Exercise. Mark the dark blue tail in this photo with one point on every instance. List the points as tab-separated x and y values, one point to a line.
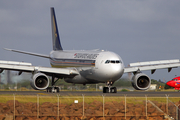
55	33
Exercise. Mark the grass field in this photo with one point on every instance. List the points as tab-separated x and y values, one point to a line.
87	99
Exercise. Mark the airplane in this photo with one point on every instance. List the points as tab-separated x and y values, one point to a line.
84	67
175	83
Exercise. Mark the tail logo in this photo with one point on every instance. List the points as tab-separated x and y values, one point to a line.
55	34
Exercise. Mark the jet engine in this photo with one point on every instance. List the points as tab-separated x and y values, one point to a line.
39	81
141	81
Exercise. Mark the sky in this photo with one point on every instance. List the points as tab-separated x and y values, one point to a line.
137	30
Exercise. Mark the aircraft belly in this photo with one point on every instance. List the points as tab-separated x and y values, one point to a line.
76	80
87	75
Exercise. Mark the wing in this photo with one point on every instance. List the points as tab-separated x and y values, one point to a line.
27	67
152	65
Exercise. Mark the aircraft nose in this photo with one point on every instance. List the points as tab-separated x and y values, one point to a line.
169	83
117	71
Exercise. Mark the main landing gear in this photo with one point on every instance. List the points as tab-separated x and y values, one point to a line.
109	88
53	89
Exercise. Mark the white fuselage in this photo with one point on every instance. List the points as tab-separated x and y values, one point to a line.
93	66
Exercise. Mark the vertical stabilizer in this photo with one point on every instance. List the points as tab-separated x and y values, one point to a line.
55	33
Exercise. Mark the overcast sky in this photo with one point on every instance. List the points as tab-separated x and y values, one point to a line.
137	30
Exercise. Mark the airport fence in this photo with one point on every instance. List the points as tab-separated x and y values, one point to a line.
86	107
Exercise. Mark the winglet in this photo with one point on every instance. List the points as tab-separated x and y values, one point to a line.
55	33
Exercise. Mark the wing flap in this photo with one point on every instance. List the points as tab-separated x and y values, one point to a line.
64	71
17	67
30	68
155	62
152	65
14	63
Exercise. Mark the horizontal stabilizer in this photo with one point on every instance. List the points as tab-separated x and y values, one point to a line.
29	53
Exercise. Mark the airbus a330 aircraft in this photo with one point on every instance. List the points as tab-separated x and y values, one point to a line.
84	67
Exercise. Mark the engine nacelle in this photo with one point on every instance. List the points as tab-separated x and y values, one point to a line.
141	81
39	81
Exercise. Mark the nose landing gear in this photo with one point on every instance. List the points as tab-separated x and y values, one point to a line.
109	88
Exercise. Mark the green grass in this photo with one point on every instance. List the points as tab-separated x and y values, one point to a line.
124	90
87	99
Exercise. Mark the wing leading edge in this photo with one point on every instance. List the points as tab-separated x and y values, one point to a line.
152	65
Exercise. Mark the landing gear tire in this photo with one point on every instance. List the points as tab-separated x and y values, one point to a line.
57	89
105	90
112	90
52	89
49	89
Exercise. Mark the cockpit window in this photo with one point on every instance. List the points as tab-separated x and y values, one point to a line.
107	61
117	61
113	61
174	79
